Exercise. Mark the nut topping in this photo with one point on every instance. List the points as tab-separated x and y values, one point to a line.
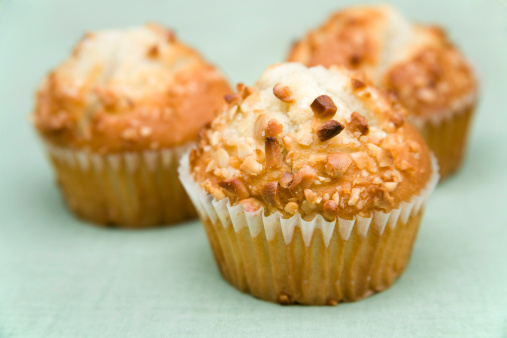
330	208
357	84
251	204
260	126
250	166
270	194
153	52
231	98
385	158
323	107
329	129
274	128
359	123
286	180
291	208
235	187
243	90
274	157
337	165
303	180
311	196
396	119
283	92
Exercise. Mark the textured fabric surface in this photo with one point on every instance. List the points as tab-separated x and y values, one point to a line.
60	277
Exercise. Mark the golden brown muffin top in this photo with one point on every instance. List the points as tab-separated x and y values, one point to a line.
127	90
418	63
312	140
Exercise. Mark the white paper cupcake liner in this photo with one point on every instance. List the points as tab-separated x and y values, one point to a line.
448	139
269	256
131	189
208	207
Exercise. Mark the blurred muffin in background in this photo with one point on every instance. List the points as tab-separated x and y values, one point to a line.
116	116
417	63
311	189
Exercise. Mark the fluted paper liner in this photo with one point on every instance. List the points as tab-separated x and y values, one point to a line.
131	190
446	133
448	139
308	262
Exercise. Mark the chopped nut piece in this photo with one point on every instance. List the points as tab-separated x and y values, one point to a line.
360	159
243	90
231	98
287	141
129	134
390	186
291	208
222	158
337	165
308	207
286	180
304	137
303	180
274	128
357	84
330	207
260	126
235	187
414	146
323	107
260	156
145	131
317	158
244	149
153	52
354	196
212	165
270	194
289	157
251	204
385	158
251	166
336	197
396	119
274	157
311	196
329	129
283	92
404	165
359	123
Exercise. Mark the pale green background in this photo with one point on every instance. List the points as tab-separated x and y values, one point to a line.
60	277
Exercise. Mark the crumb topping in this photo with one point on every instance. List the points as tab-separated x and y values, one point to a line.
417	63
262	151
124	89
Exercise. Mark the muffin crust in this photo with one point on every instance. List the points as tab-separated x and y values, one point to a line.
128	90
416	62
335	148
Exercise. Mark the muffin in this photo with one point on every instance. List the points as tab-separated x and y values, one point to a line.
311	186
117	115
417	63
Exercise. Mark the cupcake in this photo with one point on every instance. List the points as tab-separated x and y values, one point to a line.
117	115
417	63
311	186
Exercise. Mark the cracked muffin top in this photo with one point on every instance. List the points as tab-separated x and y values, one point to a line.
417	62
128	90
313	141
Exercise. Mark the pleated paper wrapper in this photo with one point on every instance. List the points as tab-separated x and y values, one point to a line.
446	134
307	262
130	190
